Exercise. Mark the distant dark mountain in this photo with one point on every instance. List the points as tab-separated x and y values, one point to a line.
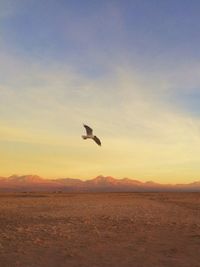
25	179
99	184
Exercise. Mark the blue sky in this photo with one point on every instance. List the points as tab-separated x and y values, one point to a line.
130	68
79	32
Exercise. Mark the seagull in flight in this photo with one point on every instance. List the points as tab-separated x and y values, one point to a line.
90	135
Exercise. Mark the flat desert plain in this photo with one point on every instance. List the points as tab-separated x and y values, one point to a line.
100	229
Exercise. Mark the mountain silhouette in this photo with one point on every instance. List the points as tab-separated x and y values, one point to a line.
98	184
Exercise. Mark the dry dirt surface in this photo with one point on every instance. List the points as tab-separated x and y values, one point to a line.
104	229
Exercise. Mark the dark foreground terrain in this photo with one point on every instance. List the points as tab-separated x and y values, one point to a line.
108	229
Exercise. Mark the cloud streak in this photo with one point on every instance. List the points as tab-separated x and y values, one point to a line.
142	134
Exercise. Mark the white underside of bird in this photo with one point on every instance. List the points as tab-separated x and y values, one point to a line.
88	136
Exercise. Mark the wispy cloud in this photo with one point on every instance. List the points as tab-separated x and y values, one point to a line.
142	133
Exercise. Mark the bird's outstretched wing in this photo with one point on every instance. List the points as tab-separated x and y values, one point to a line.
88	129
96	139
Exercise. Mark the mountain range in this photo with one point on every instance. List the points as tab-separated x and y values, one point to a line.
27	183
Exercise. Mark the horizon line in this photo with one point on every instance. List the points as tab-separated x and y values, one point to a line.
103	176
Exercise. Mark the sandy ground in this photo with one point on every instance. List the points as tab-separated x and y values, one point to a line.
111	229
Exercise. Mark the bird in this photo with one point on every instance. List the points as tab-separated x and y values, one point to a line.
90	135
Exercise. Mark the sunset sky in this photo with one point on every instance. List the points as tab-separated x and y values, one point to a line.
130	69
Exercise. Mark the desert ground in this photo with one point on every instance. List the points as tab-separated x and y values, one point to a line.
100	229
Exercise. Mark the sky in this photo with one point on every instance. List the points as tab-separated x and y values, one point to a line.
129	69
